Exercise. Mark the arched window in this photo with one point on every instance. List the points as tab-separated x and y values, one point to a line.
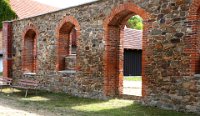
29	51
67	34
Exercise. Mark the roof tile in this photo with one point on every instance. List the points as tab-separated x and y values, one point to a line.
132	39
29	8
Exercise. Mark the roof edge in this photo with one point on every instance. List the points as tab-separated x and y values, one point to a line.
96	1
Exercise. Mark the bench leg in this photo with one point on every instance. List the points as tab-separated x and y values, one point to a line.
36	91
13	89
26	93
10	88
1	88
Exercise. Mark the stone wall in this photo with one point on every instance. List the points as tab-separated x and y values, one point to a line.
169	44
70	62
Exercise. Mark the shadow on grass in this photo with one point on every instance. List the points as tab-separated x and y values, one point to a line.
63	104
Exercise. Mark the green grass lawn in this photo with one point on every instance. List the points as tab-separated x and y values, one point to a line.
63	104
133	78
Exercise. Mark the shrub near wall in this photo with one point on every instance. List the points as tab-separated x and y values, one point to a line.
6	13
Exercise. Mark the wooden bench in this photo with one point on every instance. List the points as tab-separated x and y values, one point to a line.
27	85
5	81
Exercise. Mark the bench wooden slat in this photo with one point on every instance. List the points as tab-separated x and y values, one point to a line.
23	84
4	81
23	87
3	78
27	85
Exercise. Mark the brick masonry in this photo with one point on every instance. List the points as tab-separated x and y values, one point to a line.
170	59
7	49
1	40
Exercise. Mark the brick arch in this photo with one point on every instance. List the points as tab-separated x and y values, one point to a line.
113	55
71	20
130	8
63	30
193	11
29	48
193	38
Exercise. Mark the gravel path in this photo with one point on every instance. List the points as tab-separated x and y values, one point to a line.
10	107
132	88
6	111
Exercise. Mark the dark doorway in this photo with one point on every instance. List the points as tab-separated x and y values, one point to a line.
132	62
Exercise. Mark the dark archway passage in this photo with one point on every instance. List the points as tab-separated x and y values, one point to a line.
29	51
113	57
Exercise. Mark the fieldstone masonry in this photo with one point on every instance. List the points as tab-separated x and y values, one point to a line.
70	62
170	59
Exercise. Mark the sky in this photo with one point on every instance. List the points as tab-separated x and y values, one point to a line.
64	3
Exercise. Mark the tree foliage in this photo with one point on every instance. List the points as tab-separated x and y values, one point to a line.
6	13
135	22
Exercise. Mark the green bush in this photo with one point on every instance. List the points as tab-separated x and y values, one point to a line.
6	13
135	22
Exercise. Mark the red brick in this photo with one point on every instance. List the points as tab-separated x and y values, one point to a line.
114	86
7	46
194	14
